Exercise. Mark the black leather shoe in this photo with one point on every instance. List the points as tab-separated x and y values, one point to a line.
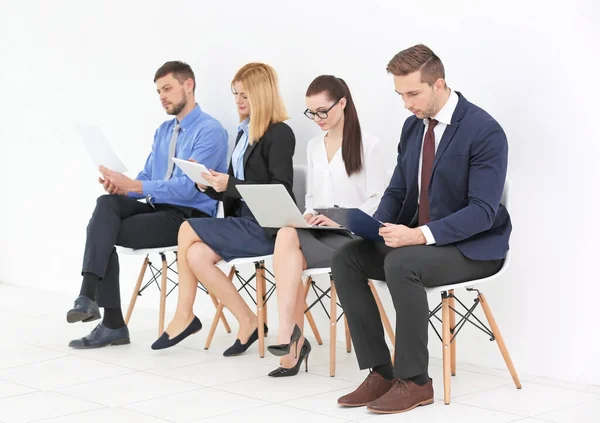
238	348
84	310
164	341
102	336
304	352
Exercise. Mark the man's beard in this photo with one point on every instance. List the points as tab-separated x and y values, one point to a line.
178	108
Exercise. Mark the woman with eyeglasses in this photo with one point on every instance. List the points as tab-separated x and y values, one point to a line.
262	154
345	168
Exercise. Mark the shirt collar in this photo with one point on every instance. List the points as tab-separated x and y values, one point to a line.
243	126
445	114
187	121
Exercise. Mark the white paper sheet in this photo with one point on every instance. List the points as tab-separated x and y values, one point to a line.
193	170
99	149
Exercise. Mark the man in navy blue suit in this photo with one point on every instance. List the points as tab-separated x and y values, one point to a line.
443	222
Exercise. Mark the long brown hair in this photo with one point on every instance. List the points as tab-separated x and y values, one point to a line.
336	89
266	105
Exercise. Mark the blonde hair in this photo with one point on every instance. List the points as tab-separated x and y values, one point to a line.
262	89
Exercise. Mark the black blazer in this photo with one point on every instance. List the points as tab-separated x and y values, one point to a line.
267	161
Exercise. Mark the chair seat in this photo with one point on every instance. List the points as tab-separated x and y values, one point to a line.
316	271
146	251
244	260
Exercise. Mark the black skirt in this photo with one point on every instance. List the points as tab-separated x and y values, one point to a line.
318	245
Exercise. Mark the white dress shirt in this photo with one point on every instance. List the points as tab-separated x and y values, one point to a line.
329	185
444	117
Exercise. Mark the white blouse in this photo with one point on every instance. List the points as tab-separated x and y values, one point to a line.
328	183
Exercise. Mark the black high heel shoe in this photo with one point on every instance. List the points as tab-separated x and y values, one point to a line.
164	341
284	349
304	352
238	348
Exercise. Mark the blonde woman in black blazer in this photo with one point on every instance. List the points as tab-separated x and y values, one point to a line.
262	155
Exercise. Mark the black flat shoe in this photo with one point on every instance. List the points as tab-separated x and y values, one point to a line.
284	349
84	310
102	336
238	348
284	372
164	341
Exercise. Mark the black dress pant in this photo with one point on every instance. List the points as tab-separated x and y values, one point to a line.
406	271
124	221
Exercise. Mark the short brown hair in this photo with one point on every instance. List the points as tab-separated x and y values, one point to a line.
180	70
419	57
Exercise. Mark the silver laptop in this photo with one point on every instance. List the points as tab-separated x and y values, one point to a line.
273	207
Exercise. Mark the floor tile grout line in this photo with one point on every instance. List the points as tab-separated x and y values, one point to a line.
57	388
319	413
30	364
565	408
489	409
206	386
198	388
479	391
509	412
91	381
92	359
68	414
231	412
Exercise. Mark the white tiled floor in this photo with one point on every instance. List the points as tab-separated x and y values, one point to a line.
41	379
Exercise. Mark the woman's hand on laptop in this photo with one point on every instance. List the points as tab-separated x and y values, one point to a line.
320	220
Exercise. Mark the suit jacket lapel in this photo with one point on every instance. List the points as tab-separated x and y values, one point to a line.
248	151
412	172
451	129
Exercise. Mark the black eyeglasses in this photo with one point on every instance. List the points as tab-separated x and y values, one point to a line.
321	113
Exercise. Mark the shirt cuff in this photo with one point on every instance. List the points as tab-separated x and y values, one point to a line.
148	188
310	211
429	239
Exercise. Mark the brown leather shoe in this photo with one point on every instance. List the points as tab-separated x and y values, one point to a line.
372	388
403	396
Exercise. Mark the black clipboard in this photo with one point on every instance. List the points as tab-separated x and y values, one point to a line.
356	221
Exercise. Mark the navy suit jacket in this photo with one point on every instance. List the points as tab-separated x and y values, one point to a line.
468	178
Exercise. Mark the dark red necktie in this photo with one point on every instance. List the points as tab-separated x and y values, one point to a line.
426	170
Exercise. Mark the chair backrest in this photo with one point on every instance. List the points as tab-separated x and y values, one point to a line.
300	185
505	200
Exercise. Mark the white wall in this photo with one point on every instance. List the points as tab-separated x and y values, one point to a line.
533	66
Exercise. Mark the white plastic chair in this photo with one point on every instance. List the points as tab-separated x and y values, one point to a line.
263	292
161	273
449	326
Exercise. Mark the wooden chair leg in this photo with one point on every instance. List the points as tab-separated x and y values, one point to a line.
384	317
348	338
163	295
446	347
136	291
333	324
260	311
222	317
219	315
265	302
213	326
499	340
308	314
452	304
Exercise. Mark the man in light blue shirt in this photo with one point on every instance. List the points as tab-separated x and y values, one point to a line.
120	218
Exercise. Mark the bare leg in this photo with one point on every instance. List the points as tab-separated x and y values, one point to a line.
288	263
202	260
197	262
187	281
289	361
